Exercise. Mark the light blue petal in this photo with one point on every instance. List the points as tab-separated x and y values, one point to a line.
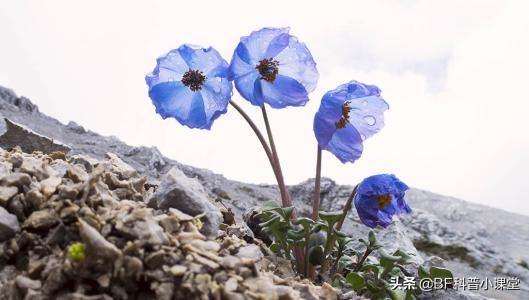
296	61
257	43
367	113
325	119
239	68
169	67
246	85
346	144
203	59
283	92
172	99
277	44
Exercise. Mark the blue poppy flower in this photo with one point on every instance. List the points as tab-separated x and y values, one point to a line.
271	66
191	85
378	198
347	116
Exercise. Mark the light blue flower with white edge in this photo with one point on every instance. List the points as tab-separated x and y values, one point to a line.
190	84
271	66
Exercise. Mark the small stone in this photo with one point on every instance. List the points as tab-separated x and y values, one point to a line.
77	173
41	220
24	283
8	225
16	179
34	167
178	270
124	170
103	280
49	185
250	251
6	193
97	246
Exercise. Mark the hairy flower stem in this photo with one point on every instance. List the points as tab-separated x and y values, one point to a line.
362	260
285	197
347	207
317	185
259	136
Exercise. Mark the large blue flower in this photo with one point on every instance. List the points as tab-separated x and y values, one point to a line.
191	85
378	198
271	66
347	116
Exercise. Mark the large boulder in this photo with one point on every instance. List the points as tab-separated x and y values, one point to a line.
186	194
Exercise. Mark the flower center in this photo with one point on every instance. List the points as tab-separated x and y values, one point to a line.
268	69
344	118
194	79
383	200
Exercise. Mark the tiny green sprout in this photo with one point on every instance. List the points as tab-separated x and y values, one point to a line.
77	252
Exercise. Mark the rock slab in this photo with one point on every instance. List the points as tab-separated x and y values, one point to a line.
186	194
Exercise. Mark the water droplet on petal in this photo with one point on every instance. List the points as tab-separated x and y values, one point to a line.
171	78
363	137
364	103
370	120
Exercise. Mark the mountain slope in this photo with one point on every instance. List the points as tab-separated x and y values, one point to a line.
475	240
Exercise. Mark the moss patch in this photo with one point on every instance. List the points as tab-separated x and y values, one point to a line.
448	252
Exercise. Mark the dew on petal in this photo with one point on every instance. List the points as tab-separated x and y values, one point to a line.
364	103
370	120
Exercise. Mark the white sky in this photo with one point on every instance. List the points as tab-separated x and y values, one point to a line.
454	72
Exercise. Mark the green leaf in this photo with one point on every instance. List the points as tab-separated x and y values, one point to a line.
441	273
423	273
387	260
268	205
340	234
372	237
344	262
372	287
405	258
275	248
396	294
305	222
269	222
356	280
331	217
287	212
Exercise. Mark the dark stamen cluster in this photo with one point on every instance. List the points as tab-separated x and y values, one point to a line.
344	119
268	68
194	79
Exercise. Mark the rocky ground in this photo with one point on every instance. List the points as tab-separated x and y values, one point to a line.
473	240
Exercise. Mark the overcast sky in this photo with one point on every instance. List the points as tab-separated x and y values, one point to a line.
455	74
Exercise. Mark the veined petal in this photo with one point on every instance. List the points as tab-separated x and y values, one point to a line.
169	67
246	86
284	91
203	59
296	61
257	42
173	99
346	144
